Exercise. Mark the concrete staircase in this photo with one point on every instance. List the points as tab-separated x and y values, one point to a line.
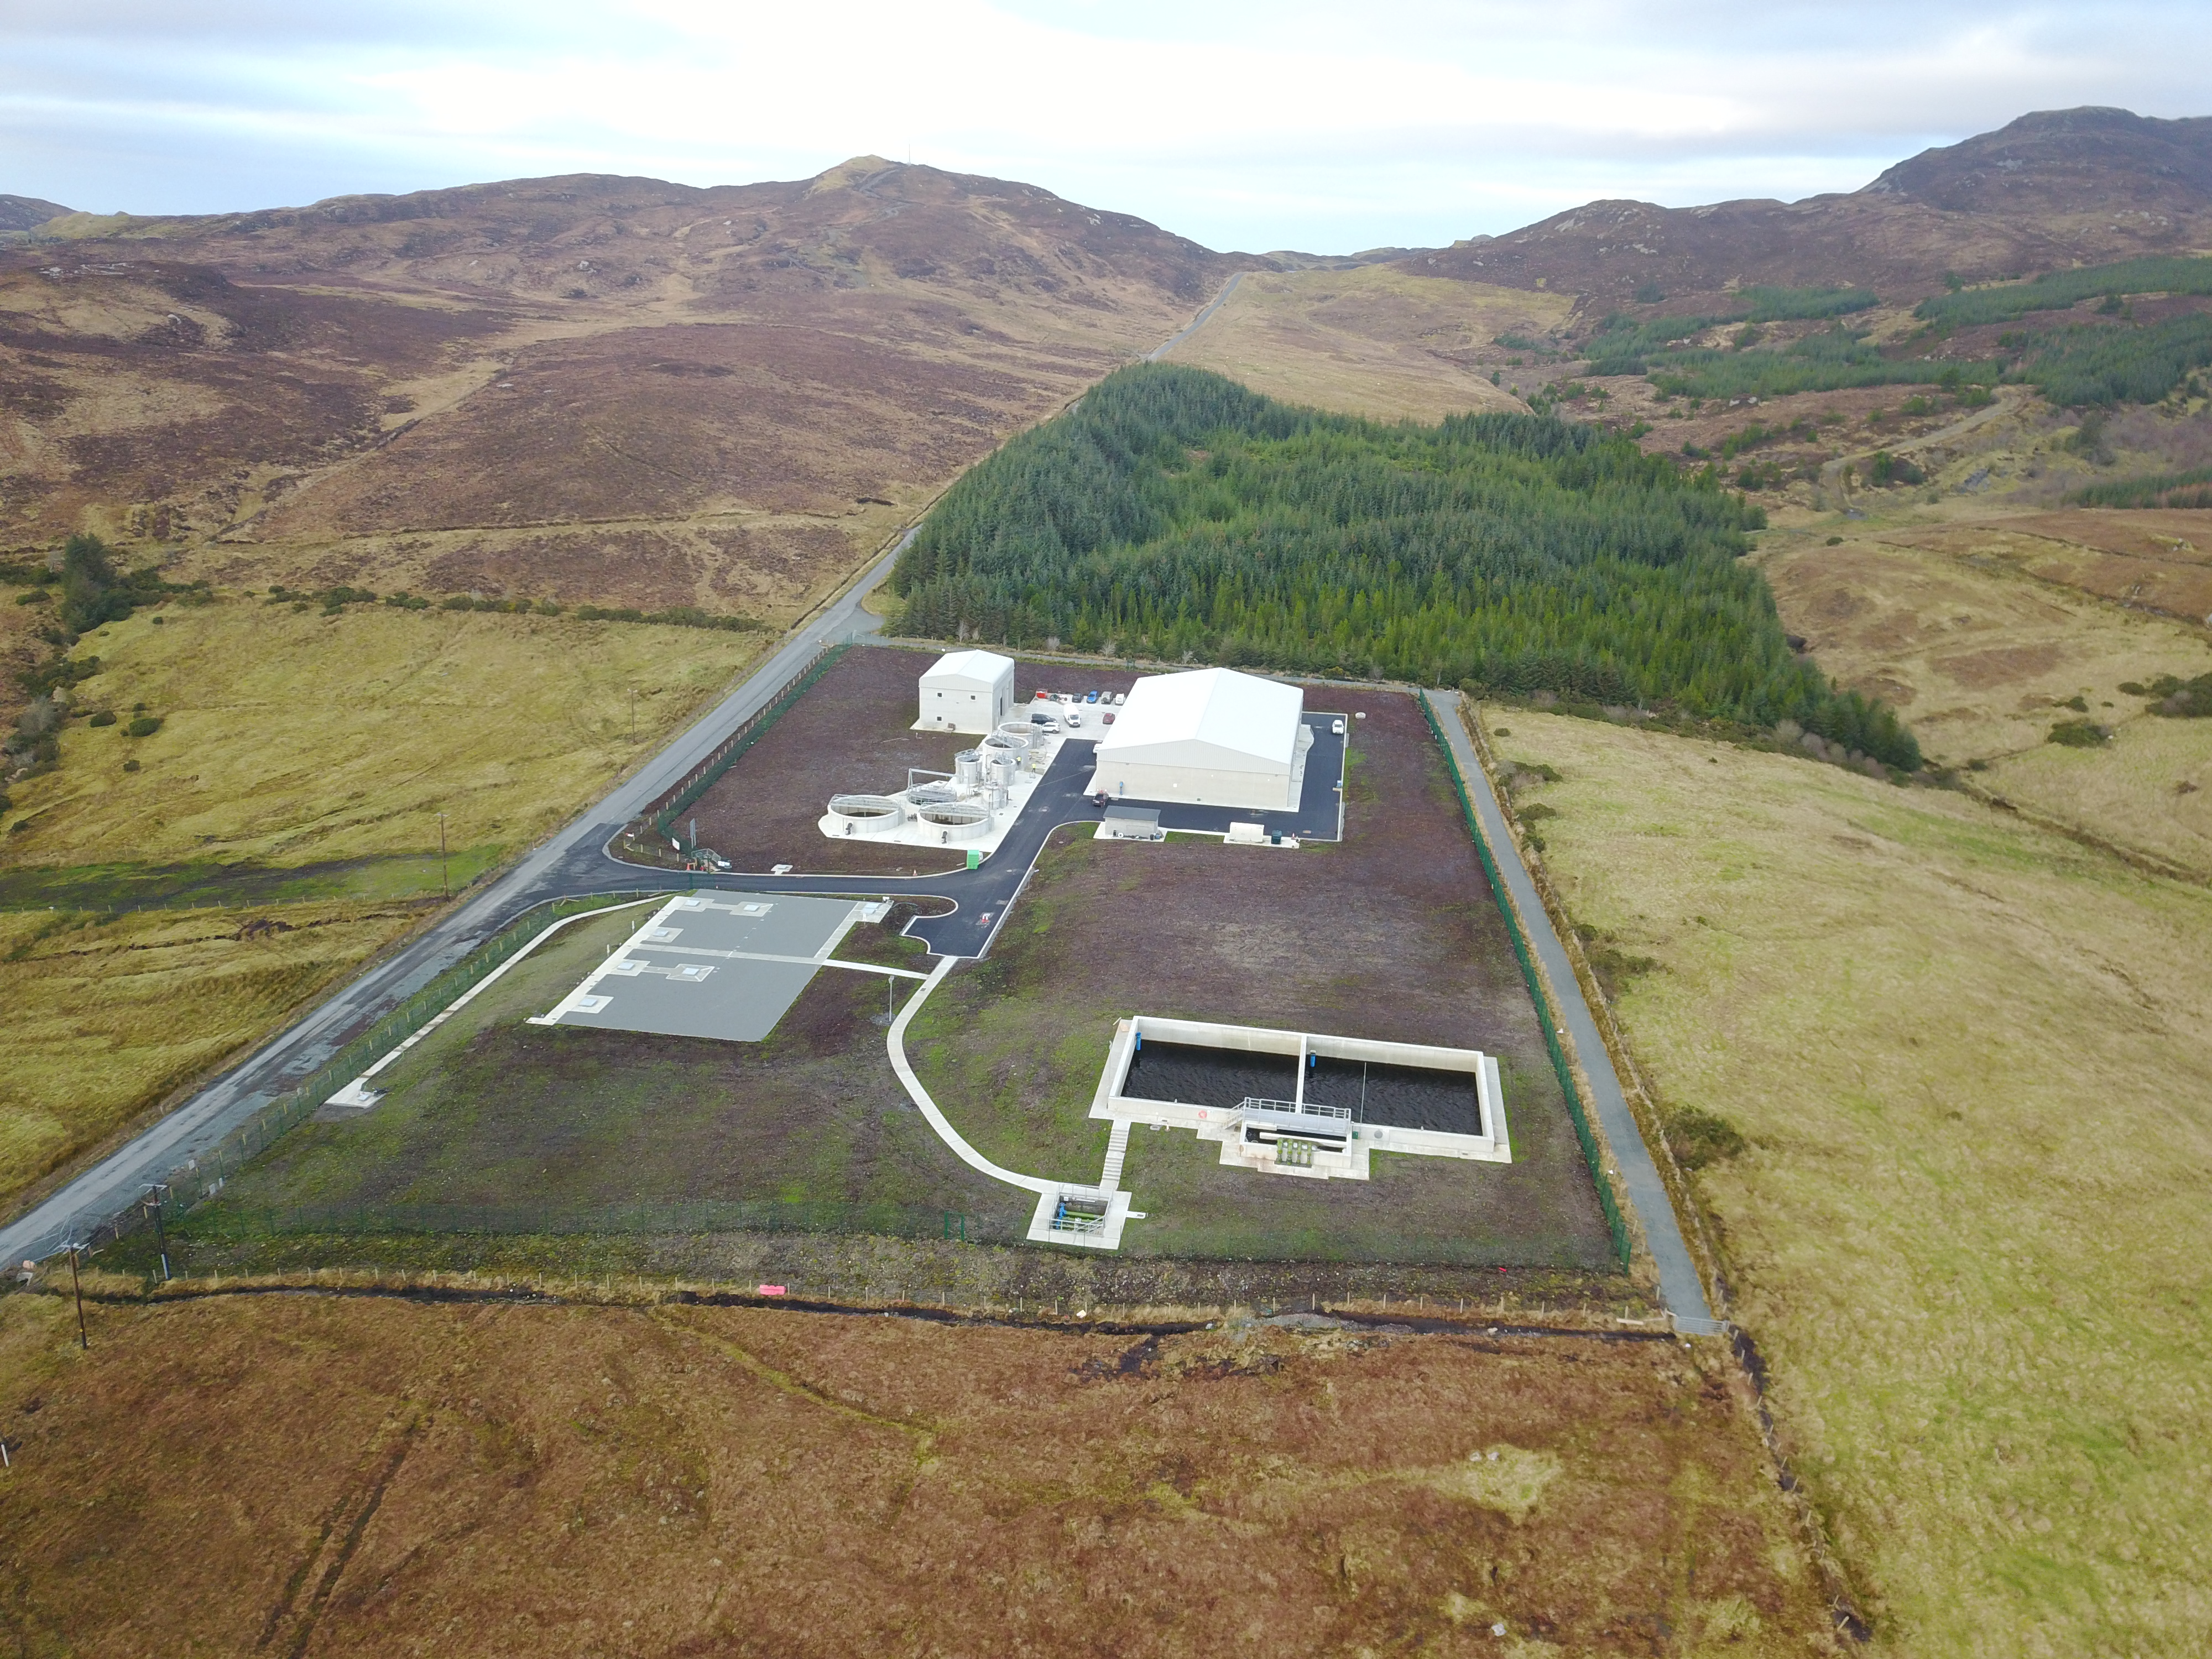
1117	1151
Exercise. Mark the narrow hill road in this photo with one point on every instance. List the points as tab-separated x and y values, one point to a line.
1831	472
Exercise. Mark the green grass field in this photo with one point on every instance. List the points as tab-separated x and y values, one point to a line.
296	778
108	1014
1968	1060
290	738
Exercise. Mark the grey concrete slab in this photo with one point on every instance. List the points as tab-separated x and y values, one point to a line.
724	966
1680	1287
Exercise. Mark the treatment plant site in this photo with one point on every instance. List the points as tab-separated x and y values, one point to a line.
1175	968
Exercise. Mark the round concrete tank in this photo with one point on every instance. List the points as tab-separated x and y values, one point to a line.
1022	731
867	815
955	820
968	768
1003	768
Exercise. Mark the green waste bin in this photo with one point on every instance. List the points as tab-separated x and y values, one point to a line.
974	857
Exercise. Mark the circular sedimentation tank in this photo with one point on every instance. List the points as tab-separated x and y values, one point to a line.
955	820
867	815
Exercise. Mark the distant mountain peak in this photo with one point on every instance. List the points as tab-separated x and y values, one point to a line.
28	212
2091	159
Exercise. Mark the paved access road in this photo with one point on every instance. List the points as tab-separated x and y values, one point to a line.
1680	1287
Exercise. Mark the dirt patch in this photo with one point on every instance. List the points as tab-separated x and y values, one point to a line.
1393	934
377	1478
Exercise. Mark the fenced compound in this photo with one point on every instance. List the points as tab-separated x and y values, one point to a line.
1545	1018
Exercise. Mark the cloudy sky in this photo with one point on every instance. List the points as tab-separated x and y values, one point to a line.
1281	123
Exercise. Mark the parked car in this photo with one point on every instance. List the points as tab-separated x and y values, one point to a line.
1091	697
1336	727
1106	719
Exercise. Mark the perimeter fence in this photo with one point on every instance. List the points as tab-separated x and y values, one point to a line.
725	754
253	1221
1545	1018
202	1175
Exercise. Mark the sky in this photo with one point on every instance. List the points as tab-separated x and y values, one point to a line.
1284	125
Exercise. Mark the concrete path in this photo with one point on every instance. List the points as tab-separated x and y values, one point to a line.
895	1043
1679	1284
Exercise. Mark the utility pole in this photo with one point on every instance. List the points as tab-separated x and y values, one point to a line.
445	879
156	1195
83	1340
633	713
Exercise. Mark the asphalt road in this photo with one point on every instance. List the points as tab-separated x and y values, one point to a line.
1680	1287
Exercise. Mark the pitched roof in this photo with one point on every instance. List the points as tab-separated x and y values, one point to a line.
984	666
1207	716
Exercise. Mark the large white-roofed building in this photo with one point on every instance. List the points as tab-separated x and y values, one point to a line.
967	691
1209	738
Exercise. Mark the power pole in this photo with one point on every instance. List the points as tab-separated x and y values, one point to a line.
156	1194
445	879
83	1340
633	713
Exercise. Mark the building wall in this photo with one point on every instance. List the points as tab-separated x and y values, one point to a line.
961	706
1197	786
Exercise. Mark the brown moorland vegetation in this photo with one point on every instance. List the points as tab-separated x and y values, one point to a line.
586	388
1974	633
317	1476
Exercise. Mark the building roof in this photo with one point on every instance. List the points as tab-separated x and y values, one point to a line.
977	667
1213	717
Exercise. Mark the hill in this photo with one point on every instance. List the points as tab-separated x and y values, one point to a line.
741	390
21	213
2052	189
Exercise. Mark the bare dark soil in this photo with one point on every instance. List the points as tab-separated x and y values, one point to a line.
311	1475
1394	934
848	735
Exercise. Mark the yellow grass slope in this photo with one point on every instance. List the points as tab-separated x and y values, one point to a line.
289	736
1984	660
1969	1230
1374	341
105	1016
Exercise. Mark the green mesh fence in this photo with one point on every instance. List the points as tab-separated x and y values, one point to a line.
1544	1015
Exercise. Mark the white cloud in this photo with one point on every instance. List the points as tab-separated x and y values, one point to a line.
1287	124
